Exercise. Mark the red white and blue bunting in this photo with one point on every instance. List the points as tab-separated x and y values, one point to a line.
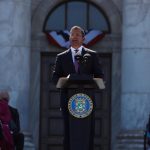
61	38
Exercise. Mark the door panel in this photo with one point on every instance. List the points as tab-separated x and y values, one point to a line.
51	123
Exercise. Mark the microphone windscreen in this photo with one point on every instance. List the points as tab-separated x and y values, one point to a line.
78	57
86	56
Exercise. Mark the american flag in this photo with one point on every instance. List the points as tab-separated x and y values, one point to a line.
61	38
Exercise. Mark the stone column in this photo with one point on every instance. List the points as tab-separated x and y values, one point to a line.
15	26
135	95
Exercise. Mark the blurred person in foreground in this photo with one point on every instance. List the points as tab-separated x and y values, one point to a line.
10	138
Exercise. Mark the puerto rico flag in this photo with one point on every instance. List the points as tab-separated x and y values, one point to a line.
61	38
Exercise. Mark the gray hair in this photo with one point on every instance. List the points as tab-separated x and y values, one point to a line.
4	95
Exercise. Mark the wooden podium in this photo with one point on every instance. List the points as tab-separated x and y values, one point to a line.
80	109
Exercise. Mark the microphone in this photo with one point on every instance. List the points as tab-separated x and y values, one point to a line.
86	63
78	58
86	57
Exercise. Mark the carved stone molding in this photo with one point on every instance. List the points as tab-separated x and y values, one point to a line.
130	140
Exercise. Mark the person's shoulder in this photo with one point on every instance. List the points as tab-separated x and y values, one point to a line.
13	109
63	53
90	51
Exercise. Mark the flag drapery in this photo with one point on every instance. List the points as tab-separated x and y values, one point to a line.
61	38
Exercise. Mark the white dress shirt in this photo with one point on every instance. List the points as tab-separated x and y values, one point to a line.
74	53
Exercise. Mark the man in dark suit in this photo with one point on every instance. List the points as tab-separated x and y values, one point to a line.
65	65
65	61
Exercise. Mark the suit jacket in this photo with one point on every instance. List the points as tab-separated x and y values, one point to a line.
64	64
15	117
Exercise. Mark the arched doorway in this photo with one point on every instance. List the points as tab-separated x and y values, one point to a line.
109	45
51	122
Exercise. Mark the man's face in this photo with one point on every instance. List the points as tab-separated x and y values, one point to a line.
76	38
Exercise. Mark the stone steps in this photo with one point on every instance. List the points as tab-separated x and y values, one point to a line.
131	140
28	144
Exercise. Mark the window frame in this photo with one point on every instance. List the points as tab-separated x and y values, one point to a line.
87	14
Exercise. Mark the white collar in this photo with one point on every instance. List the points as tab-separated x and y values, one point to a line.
73	50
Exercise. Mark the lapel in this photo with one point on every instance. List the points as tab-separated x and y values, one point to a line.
84	51
69	61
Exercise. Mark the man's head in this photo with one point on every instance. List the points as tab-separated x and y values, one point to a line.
77	36
4	95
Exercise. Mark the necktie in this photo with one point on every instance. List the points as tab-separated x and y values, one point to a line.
76	64
76	50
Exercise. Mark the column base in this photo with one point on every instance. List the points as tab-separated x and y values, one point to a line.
130	140
28	144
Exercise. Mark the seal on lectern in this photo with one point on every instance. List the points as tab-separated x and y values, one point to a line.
80	105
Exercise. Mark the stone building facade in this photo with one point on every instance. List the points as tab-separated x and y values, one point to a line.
22	41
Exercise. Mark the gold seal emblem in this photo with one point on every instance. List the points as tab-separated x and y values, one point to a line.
80	105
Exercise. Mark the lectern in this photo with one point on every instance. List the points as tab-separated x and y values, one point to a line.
80	108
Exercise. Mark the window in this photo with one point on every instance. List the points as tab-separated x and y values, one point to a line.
82	13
